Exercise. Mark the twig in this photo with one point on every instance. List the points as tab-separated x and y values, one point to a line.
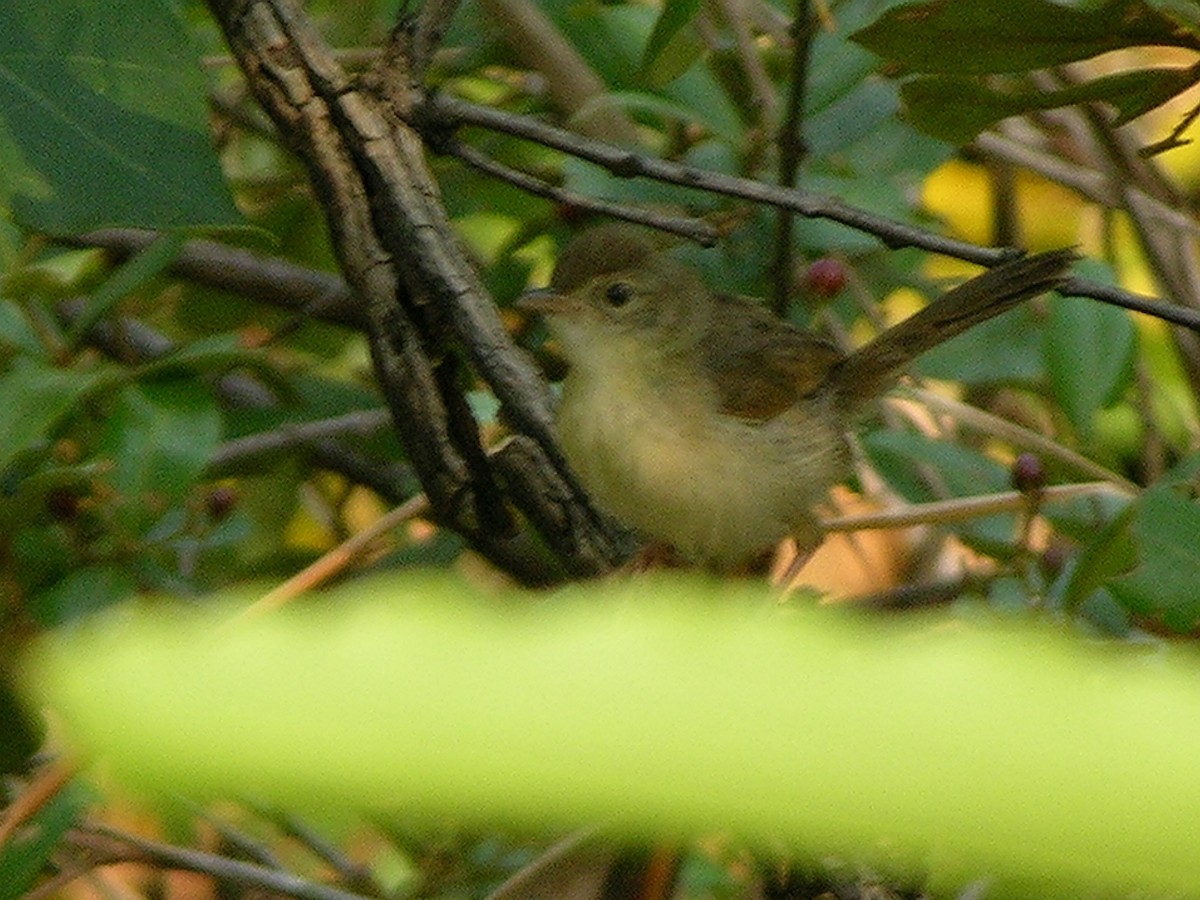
961	509
1087	182
792	149
1115	296
353	874
919	596
239	843
102	838
1172	255
574	87
267	279
132	341
575	866
336	559
694	229
432	21
440	114
290	435
762	91
41	790
985	422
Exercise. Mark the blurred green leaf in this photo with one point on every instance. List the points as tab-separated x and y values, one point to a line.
1044	763
1006	349
103	107
1166	528
127	278
20	737
36	399
1089	356
996	36
56	275
27	852
1110	552
609	37
922	470
81	592
159	436
672	48
956	109
850	118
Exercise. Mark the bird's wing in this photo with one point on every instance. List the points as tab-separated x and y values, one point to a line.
760	365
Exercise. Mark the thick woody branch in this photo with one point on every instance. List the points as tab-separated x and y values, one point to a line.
421	299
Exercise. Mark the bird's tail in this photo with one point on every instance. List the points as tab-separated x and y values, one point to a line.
867	372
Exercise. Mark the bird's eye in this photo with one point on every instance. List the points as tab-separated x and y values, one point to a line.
619	293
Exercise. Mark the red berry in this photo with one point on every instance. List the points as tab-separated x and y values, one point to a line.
825	277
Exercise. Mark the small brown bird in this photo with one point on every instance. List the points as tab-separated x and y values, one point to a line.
702	420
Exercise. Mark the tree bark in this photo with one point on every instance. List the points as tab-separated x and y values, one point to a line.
427	313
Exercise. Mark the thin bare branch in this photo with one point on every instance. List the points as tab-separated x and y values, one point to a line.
441	114
268	279
120	845
959	509
792	148
1087	182
432	22
336	560
293	435
697	230
762	91
574	87
984	422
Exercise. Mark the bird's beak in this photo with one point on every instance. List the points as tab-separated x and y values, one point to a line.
542	300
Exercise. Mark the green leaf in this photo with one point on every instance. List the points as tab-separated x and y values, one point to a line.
852	117
36	399
80	593
1089	356
129	276
956	109
639	101
1166	527
921	470
20	736
668	27
609	35
1044	763
102	108
996	36
680	54
1109	553
1006	349
159	436
27	852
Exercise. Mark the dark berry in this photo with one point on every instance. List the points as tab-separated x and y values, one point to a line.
220	502
1027	474
62	504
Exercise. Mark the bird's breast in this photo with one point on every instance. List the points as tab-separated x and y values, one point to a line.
657	454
